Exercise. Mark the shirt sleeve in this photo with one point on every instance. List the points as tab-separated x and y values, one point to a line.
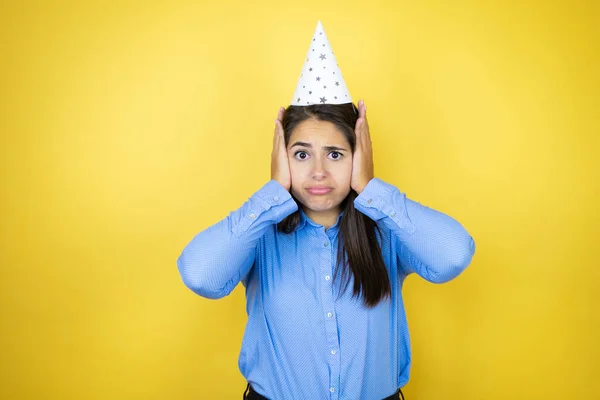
430	243
216	259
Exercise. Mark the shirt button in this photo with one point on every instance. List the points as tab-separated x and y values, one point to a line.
329	315
393	213
327	277
251	215
326	244
276	198
333	351
369	201
332	389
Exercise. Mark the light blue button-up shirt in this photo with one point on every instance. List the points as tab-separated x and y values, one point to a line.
303	341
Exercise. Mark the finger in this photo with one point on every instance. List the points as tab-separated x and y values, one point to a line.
358	128
361	109
280	137
278	140
363	140
280	113
279	128
279	122
275	134
359	134
366	130
361	114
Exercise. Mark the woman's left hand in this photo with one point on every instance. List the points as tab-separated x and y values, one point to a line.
362	160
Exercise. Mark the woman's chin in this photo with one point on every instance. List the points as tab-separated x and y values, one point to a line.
319	205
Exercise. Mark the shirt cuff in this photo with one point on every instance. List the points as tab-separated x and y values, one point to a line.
380	200
271	203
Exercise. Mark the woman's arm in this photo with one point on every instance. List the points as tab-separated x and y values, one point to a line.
432	244
217	258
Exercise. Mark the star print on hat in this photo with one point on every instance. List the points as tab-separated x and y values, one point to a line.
321	80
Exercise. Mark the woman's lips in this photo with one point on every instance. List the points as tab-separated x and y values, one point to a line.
318	191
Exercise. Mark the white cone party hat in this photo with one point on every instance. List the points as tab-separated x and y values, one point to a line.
321	80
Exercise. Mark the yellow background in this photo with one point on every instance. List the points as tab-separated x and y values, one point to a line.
129	127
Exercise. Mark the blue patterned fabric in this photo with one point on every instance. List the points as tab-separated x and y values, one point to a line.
301	341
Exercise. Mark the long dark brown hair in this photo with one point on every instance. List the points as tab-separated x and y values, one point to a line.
358	252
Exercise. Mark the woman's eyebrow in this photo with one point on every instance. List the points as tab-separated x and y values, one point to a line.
328	148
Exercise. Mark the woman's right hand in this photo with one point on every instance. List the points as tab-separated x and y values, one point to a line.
280	165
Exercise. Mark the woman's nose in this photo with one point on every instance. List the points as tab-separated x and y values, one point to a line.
318	169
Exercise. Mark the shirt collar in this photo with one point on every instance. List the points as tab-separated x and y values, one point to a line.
304	219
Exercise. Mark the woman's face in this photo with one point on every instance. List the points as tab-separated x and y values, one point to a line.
320	165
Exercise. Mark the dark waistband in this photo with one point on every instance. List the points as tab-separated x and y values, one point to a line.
251	394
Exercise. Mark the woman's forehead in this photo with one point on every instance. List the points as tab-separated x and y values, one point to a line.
315	131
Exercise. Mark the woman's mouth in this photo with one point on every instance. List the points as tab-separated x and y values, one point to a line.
319	190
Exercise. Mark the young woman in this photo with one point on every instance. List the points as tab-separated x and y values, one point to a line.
323	250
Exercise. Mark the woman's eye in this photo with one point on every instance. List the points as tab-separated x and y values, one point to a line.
336	155
301	155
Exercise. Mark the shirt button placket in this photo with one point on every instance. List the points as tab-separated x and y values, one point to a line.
331	329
